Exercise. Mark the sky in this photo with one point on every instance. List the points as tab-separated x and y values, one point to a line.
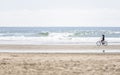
101	13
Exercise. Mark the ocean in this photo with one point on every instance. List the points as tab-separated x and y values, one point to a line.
58	35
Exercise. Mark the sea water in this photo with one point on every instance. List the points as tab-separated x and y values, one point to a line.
58	35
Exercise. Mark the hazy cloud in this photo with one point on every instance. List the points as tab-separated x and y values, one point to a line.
59	13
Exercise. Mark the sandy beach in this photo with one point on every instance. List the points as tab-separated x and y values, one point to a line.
59	64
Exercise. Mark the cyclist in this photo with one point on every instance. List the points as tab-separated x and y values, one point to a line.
103	39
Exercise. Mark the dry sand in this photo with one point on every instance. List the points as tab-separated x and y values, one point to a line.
59	64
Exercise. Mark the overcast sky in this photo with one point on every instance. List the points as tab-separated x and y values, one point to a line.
60	13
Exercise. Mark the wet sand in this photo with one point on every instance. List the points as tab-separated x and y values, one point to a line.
55	47
59	64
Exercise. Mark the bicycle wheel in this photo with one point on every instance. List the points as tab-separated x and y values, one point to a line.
98	43
105	43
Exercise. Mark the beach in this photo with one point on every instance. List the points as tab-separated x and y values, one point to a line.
59	51
59	64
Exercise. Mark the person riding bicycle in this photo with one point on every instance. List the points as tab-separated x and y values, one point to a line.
103	39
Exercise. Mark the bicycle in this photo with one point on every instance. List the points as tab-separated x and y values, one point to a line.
99	43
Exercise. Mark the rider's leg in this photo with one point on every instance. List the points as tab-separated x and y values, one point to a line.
102	41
